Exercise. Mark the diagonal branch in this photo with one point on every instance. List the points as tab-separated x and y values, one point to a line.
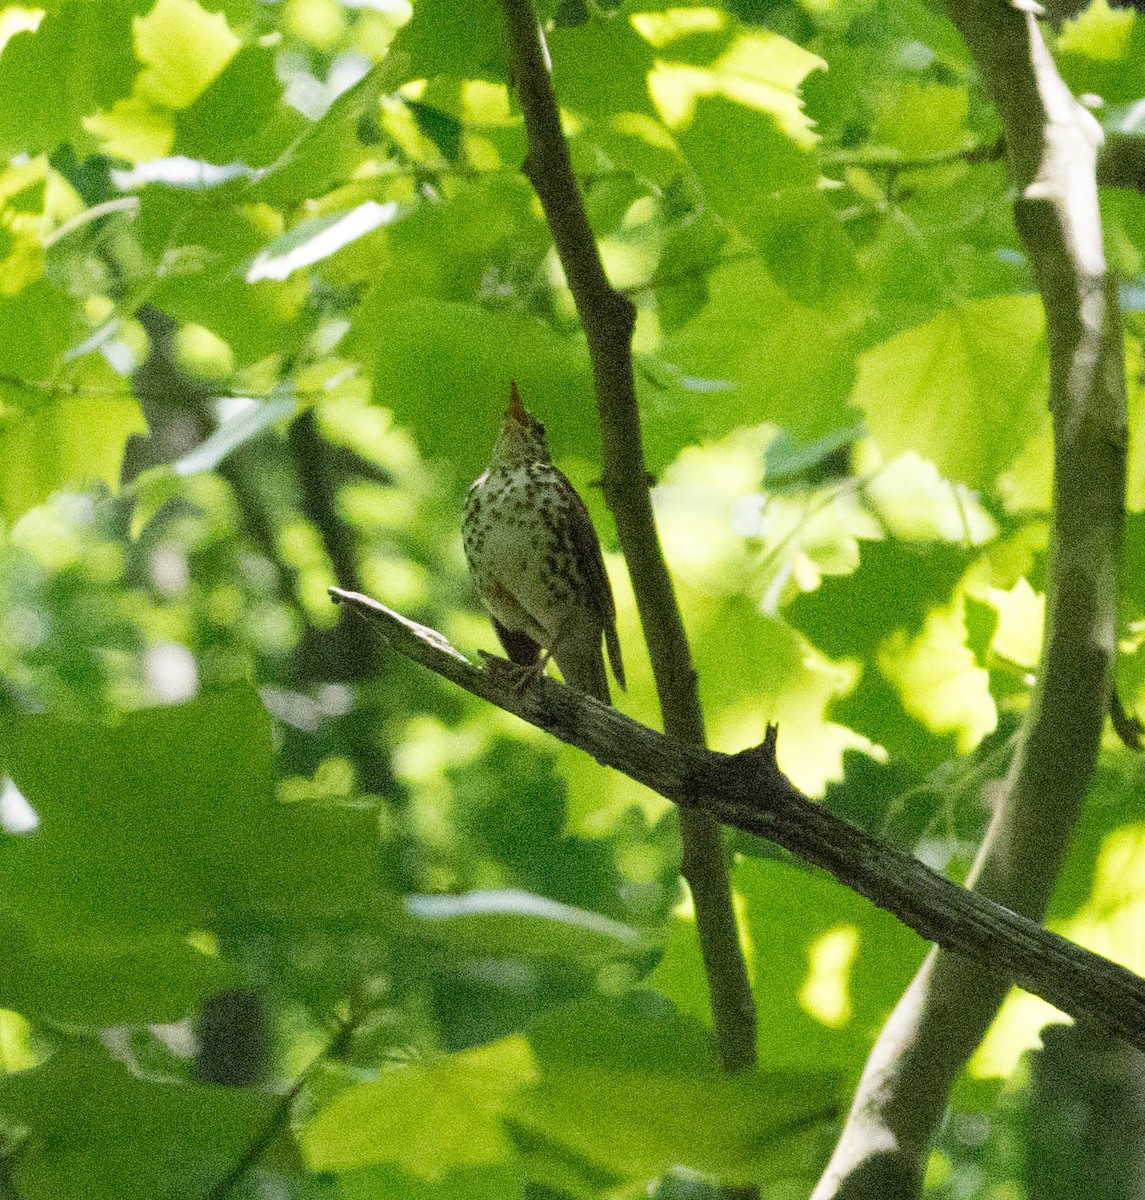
749	792
608	319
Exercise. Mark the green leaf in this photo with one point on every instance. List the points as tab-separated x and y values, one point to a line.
330	150
981	625
693	248
442	128
639	1031
184	49
167	820
895	586
741	1129
69	441
240	115
931	26
513	922
776	681
875	710
1091	885
944	244
1135	383
488	241
1098	31
40	322
925	118
601	67
966	390
496	1181
459	39
205	245
51	79
787	462
427	1118
104	979
435	1117
804	246
97	1131
826	966
769	358
762	180
740	154
1102	51
445	369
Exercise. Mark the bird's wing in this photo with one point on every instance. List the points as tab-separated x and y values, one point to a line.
587	547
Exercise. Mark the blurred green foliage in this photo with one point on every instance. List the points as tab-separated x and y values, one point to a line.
265	274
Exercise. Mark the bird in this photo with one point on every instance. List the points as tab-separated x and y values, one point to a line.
536	562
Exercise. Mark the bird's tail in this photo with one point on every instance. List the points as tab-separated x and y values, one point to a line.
613	643
583	668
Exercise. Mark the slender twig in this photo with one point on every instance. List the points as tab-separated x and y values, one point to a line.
891	160
280	1116
62	390
1120	160
749	792
118	204
608	319
1126	725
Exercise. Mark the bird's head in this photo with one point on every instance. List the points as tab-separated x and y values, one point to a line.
522	437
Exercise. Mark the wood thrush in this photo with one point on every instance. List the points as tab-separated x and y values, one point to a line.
535	559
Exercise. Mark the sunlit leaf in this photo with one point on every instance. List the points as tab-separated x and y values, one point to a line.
738	1128
183	48
1101	52
428	1118
824	1007
965	390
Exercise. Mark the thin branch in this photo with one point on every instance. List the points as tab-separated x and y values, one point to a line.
1126	725
1120	160
891	160
608	319
279	1119
749	792
1051	144
60	390
119	204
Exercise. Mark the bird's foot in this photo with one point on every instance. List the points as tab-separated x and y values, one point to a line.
521	675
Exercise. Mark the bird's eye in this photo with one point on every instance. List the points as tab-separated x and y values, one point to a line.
541	428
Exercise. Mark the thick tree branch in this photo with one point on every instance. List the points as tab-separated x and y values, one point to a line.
749	792
608	318
1051	144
